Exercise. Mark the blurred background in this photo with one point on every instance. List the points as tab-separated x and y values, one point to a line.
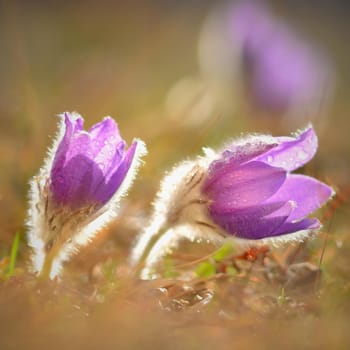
178	74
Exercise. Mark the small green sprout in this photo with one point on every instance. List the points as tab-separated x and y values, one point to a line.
205	269
13	256
282	297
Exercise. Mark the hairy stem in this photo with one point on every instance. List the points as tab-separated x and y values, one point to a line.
170	239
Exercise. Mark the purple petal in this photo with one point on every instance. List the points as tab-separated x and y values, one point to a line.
71	185
292	153
237	154
309	194
104	137
71	145
104	129
98	144
250	149
113	164
244	186
80	143
99	184
73	141
105	192
257	211
293	227
73	123
253	222
109	157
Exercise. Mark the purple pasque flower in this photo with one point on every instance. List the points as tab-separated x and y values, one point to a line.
252	193
246	191
78	189
89	166
283	70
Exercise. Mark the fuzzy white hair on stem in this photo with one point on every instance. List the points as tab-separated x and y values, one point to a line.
35	219
179	200
170	241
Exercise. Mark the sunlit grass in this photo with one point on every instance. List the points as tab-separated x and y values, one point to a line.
13	255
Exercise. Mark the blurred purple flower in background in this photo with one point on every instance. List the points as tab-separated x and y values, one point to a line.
252	194
284	71
78	189
258	60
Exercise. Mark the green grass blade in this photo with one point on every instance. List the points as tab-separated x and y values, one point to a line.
13	257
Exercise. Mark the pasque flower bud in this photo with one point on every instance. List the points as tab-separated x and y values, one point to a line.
77	190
